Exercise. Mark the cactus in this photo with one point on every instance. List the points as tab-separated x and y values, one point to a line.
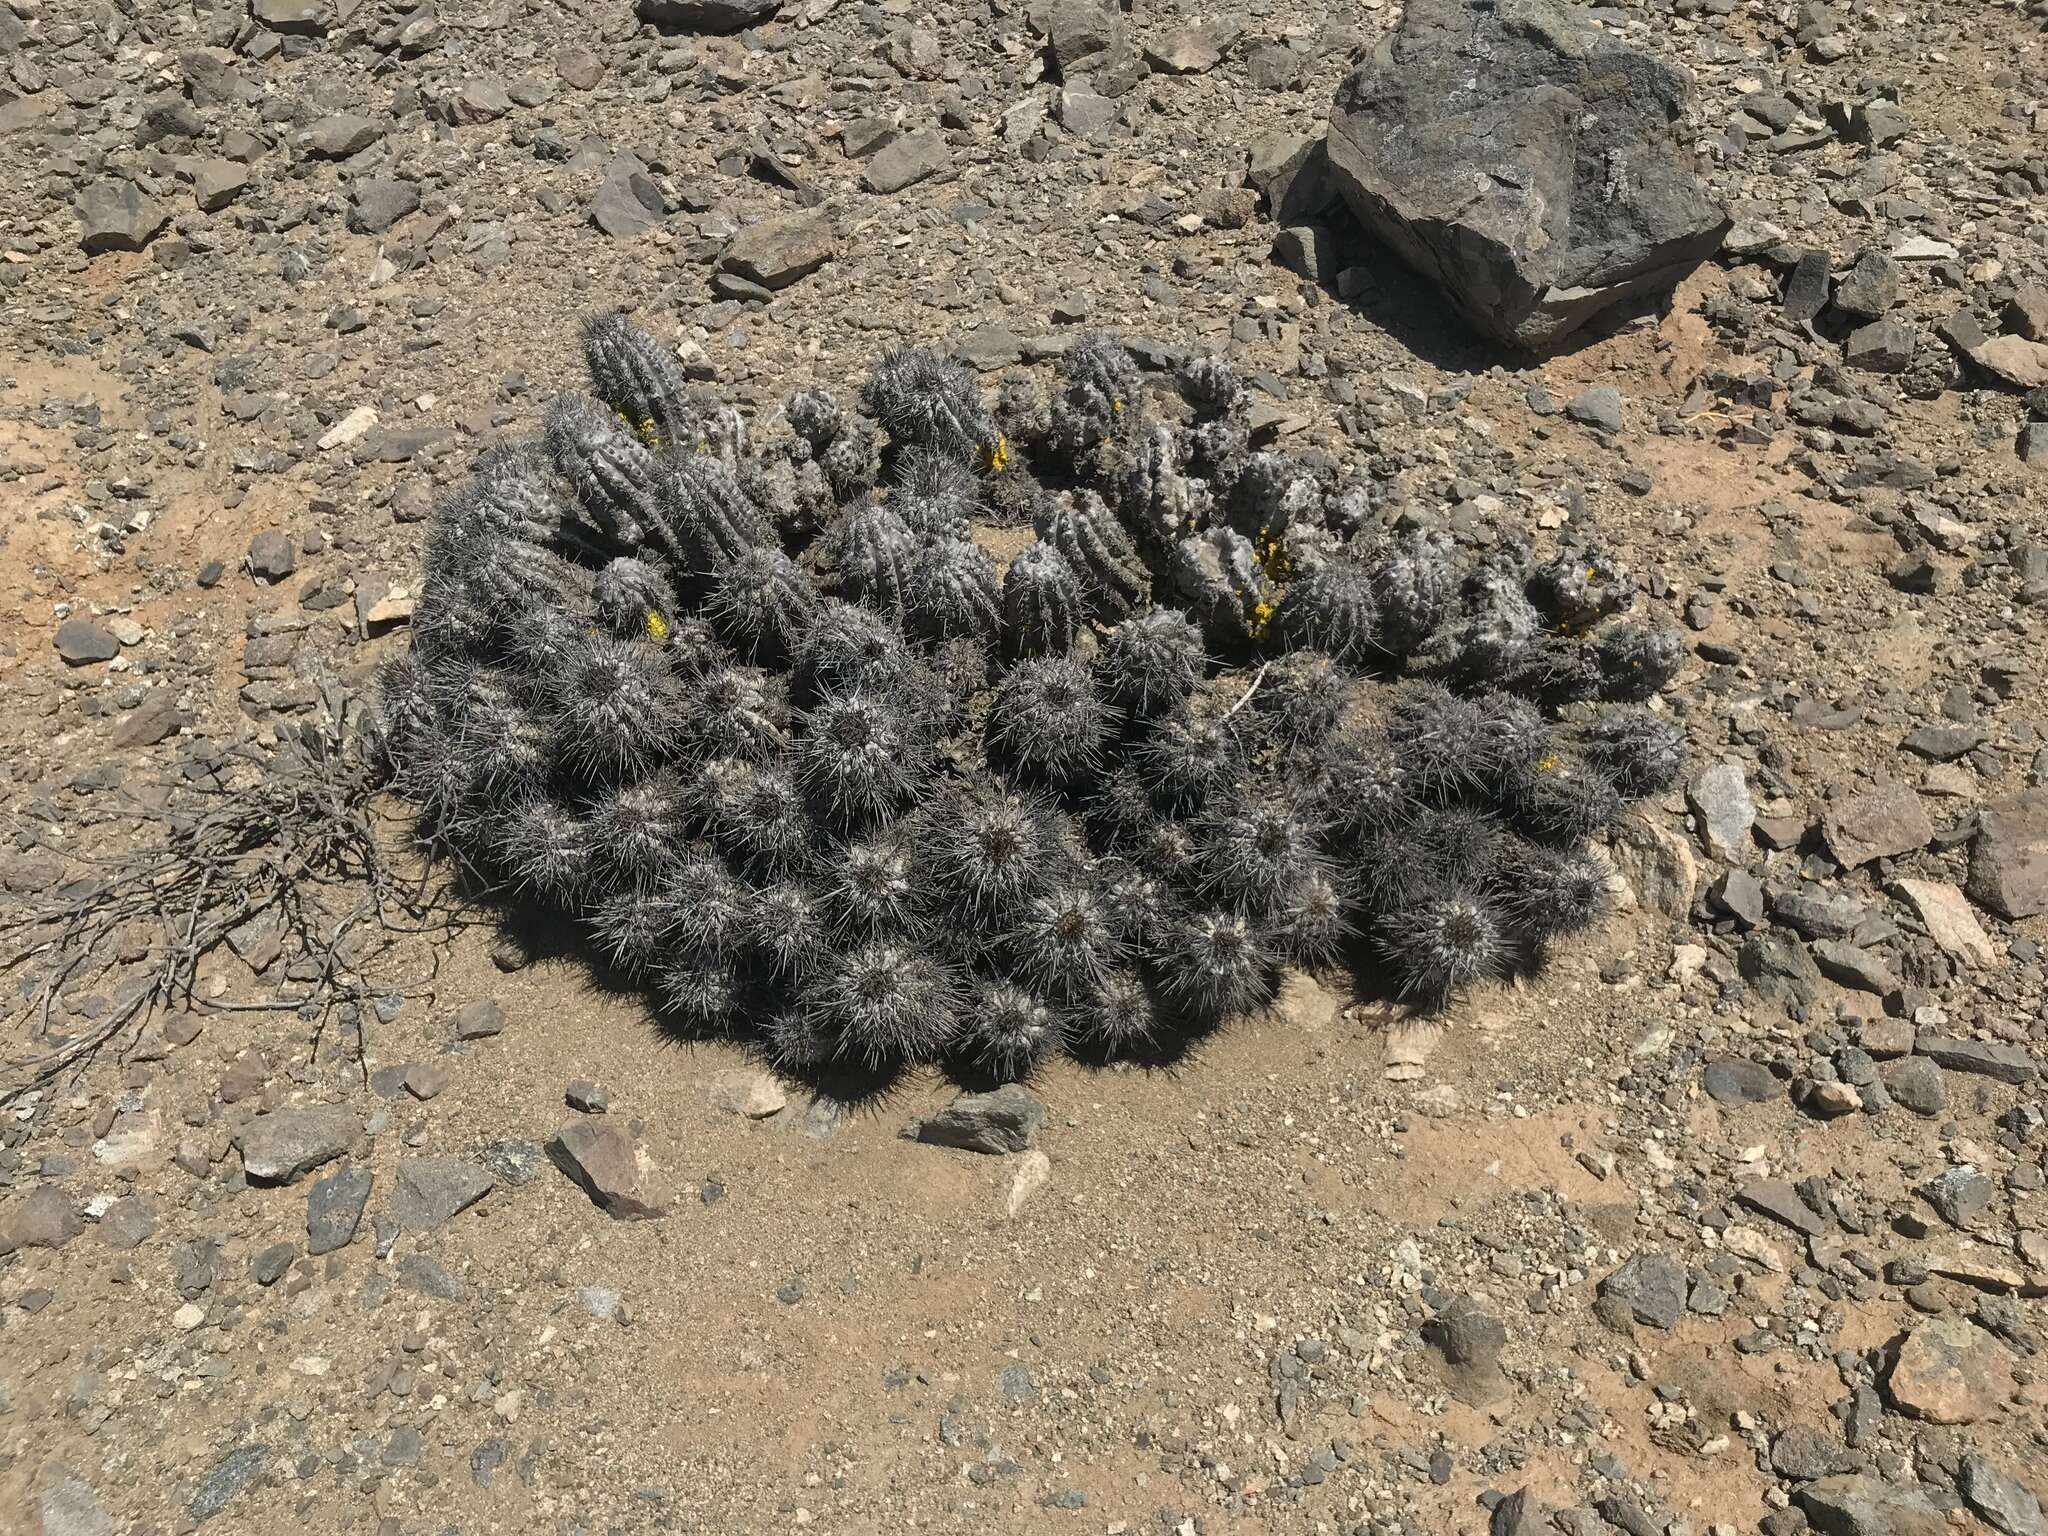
761	603
546	848
1312	920
1299	698
611	471
704	996
868	889
1047	723
1638	660
636	831
1041	603
1149	664
735	712
1636	752
877	556
1562	800
953	593
1215	966
640	379
1578	588
1440	736
706	520
815	417
786	930
848	649
857	759
1066	942
633	600
1412	587
1086	532
1255	851
984	852
617	710
1209	384
1190	756
1443	945
883	1005
925	403
1010	1032
1218	574
1098	392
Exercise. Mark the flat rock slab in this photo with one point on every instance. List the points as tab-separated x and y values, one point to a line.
2009	858
755	1095
334	1208
43	1218
1950	922
1725	809
286	1143
608	1164
434	1190
777	252
1981	1058
1006	1120
1483	144
1949	1371
907	161
717	16
1880	825
1868	1506
116	215
1650	1288
81	642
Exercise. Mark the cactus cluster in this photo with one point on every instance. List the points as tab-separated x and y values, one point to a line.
802	759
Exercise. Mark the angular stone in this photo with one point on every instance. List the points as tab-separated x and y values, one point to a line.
579	67
341	134
755	1095
1804	1453
334	1208
1881	824
2013	361
1854	1505
271	556
1980	1058
906	161
286	1143
1736	1081
115	215
1950	922
479	101
1870	287
69	1507
1720	799
611	1167
2009	857
1006	1120
81	642
217	182
479	1020
1949	1371
1776	1199
127	1223
1652	1288
43	1218
231	1474
777	252
629	202
2004	1502
1082	35
381	202
1883	346
714	16
1186	51
305	18
1917	1083
1778	966
1851	965
1481	143
433	1190
1960	1196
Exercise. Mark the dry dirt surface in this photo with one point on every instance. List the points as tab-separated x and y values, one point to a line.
1734	1219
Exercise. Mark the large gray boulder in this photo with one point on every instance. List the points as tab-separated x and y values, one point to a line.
1534	168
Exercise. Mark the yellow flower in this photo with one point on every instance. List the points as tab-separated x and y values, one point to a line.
657	626
995	458
1262	615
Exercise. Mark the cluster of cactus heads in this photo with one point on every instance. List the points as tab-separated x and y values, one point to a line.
806	762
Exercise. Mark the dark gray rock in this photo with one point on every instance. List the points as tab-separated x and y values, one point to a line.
2009	857
1650	1287
2003	1501
1737	893
151	721
1852	966
306	18
81	642
271	556
381	202
629	202
1814	912
334	1208
1006	1120
587	1097
267	1265
1806	287
1598	408
514	1160
479	1020
434	1190
1880	824
714	16
1777	965
115	215
1536	169
1736	1081
341	134
1776	1199
1853	1505
1883	346
230	1475
1804	1453
286	1143
1870	287
43	1218
1960	1196
127	1222
778	251
1979	1058
1917	1083
906	161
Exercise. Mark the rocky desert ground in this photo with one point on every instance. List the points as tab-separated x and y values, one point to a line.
1733	1219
